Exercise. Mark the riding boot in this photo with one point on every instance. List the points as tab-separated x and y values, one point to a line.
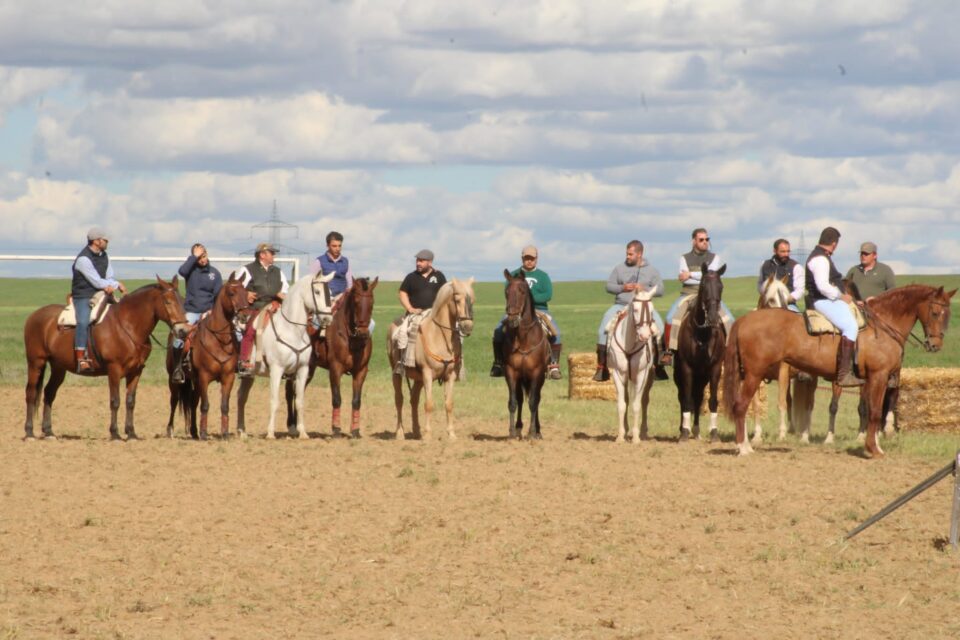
666	356
177	374
553	368
83	363
398	369
496	371
603	373
845	375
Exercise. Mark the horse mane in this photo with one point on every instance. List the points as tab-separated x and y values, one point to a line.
894	300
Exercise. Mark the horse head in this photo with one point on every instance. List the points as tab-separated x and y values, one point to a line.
359	305
640	309
235	301
316	296
171	308
934	315
517	294
775	294
708	298
463	299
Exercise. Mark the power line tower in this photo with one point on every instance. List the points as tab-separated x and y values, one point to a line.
276	229
800	255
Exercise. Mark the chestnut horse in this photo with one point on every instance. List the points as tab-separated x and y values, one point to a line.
119	346
345	348
526	352
699	359
763	338
212	357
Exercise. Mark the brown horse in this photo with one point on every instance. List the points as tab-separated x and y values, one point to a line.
212	357
526	352
120	345
345	348
765	337
699	360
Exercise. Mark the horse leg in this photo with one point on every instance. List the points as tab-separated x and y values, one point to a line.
644	405
890	399
834	406
518	394
174	389
636	393
699	387
301	393
863	415
226	387
133	379
533	401
757	426
276	374
398	403
202	391
35	371
113	378
783	399
510	376
335	401
49	395
714	402
290	397
415	392
873	391
448	403
684	378
242	394
358	380
748	387
622	397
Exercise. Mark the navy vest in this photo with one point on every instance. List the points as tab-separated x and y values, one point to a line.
81	287
339	283
263	282
813	293
777	270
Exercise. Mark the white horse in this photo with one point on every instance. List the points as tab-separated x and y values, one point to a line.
283	349
630	357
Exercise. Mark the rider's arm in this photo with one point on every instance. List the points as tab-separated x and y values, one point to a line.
316	267
187	266
349	277
799	282
715	264
87	270
656	283
692	278
820	268
543	290
613	282
405	302
244	276
284	285
760	279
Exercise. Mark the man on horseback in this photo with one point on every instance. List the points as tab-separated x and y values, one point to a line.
690	274
542	289
634	273
417	293
871	277
203	284
92	272
825	295
781	265
333	261
269	284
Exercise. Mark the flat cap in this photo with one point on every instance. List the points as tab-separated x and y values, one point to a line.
96	233
424	254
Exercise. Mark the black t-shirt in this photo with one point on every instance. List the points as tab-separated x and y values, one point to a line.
422	291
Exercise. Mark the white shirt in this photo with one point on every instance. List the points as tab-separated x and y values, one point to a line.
695	276
820	268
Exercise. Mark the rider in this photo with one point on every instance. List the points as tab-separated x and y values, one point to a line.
266	284
634	273
690	274
417	293
92	272
780	265
824	295
542	289
203	284
333	261
871	277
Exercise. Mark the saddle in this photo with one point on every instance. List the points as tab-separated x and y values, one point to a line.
818	325
548	326
99	304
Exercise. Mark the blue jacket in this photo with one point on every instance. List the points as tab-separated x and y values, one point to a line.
203	285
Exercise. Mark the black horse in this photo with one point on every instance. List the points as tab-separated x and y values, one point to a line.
699	358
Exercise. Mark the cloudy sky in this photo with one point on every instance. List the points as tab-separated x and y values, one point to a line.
475	128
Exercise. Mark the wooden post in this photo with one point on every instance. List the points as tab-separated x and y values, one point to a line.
955	517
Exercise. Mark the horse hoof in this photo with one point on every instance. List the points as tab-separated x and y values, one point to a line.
29	438
636	441
355	434
400	436
132	437
536	436
715	437
619	439
271	436
861	437
684	434
805	438
242	435
828	439
336	432
202	436
304	435
114	437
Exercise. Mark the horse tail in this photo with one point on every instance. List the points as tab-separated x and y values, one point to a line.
38	388
731	371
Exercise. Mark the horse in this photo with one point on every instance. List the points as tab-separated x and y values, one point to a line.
283	347
796	407
630	358
212	357
526	352
120	345
699	358
766	337
438	351
345	348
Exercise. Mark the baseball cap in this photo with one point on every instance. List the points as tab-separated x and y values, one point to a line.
266	246
868	247
529	250
424	254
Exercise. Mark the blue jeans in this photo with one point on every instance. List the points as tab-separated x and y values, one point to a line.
498	330
193	317
82	308
838	313
614	310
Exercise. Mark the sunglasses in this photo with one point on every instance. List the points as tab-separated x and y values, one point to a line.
703	239
529	257
866	253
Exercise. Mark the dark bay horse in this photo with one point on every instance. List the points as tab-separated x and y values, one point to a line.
764	337
699	358
526	352
120	345
212	357
345	349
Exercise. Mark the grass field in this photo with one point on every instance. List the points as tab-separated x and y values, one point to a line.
577	307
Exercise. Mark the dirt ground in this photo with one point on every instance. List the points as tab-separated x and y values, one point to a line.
571	537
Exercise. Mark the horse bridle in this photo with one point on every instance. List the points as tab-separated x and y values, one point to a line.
646	319
353	328
706	313
468	309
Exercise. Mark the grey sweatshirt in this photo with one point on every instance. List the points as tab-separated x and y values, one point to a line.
645	274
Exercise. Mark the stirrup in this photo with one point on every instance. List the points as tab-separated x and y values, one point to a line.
602	374
553	371
496	371
84	365
666	358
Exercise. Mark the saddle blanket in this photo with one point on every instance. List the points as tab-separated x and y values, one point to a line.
817	323
547	323
99	304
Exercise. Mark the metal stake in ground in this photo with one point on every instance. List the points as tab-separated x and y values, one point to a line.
907	497
955	517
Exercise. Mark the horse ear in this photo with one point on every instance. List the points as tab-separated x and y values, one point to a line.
373	284
703	268
950	295
506	274
722	270
470	281
784	279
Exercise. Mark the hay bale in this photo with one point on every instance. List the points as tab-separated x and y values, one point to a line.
929	400
760	407
580	370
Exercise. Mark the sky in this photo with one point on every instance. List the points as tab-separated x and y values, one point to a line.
476	128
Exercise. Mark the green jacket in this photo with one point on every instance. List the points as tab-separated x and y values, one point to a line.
540	286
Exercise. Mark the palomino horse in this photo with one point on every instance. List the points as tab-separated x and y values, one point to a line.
761	339
439	354
700	354
795	408
630	358
212	357
120	345
284	347
345	348
526	352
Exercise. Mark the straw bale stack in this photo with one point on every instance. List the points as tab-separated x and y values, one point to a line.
929	400
580	369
